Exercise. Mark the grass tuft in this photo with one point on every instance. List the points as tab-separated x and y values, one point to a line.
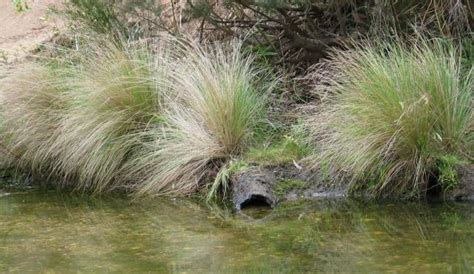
447	171
114	115
77	120
221	184
393	111
218	107
32	103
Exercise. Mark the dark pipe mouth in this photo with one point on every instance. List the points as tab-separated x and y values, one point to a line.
258	201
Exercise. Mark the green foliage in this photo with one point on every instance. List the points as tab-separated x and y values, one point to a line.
447	171
262	51
284	151
116	19
467	53
285	186
392	110
20	5
221	183
276	148
99	16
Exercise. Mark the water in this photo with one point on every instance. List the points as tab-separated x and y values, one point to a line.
59	233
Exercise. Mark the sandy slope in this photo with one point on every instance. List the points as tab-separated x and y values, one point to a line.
21	33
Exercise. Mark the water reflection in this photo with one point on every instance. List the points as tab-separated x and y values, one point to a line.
65	233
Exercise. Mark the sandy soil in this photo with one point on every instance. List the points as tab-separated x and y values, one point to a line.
21	33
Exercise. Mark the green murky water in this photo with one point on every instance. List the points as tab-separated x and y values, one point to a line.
58	233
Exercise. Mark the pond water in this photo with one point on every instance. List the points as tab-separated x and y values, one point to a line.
58	233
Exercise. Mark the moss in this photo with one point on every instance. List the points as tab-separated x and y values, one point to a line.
281	152
285	186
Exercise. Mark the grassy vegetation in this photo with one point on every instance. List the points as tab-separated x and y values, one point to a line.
31	104
393	113
279	145
447	171
122	117
286	186
20	5
280	152
170	116
217	108
78	122
220	187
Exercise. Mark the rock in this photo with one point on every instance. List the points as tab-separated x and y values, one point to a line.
253	187
464	190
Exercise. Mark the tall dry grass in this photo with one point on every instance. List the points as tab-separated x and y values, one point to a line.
125	116
219	104
393	112
78	122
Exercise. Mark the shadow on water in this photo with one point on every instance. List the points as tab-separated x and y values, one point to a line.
47	231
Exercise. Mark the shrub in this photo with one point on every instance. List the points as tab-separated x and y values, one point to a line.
97	15
393	111
116	19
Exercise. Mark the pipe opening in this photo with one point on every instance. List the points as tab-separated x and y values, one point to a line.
256	201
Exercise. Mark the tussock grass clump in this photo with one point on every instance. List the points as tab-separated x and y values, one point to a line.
32	105
77	120
218	107
115	115
114	93
393	113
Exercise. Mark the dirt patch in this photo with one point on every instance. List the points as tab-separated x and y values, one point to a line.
22	32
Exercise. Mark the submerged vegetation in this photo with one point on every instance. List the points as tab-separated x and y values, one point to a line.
394	112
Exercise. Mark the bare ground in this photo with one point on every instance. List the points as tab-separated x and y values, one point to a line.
22	32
